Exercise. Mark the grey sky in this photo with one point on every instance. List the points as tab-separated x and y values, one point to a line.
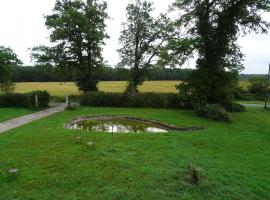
22	27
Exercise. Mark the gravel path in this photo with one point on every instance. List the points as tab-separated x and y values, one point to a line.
16	122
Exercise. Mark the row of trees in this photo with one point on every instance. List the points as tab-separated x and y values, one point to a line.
209	28
51	74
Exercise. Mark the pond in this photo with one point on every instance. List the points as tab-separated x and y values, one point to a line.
124	124
117	126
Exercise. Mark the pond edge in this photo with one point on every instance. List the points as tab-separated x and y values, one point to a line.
160	124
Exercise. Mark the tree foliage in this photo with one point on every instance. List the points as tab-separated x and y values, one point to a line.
8	59
78	33
258	87
213	26
141	38
48	73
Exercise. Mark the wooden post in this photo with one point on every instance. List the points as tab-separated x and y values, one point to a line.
36	100
267	88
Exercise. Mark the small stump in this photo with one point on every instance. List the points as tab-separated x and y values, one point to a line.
90	145
195	174
78	140
13	173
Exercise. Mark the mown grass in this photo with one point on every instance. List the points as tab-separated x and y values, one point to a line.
64	89
234	158
9	113
252	102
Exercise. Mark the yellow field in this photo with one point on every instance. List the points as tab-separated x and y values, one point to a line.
64	89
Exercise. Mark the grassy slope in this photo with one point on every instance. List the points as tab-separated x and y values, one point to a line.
235	159
63	89
9	113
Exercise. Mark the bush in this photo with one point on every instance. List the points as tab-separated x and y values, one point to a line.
242	94
235	107
139	100
213	111
258	88
43	99
26	100
13	100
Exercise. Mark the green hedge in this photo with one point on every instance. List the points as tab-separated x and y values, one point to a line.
235	107
214	112
139	100
26	100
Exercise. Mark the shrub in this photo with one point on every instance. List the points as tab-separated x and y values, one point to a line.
235	107
139	100
213	111
13	100
43	99
242	94
101	99
257	87
26	100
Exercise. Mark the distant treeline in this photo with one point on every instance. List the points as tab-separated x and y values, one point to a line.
51	74
249	76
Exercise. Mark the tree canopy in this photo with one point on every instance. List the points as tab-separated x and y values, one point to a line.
77	33
8	59
213	27
141	39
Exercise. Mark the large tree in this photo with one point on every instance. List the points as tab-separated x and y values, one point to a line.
8	59
213	28
141	38
78	33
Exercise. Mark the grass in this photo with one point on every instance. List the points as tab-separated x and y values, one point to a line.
9	113
234	158
252	102
64	89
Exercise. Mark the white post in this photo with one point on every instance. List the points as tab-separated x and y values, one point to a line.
67	100
267	88
36	100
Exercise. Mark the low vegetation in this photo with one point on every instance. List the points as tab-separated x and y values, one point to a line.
25	100
214	112
137	100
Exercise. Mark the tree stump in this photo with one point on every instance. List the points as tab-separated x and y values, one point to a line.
13	173
194	174
90	145
78	140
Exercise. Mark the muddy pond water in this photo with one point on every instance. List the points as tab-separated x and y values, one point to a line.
117	126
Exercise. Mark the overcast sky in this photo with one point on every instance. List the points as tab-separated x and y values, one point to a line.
22	27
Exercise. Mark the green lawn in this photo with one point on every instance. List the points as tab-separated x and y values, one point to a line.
252	102
9	113
235	159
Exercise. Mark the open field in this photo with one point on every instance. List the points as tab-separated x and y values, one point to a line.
234	159
64	89
9	113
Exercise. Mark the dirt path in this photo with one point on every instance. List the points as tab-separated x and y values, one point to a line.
16	122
